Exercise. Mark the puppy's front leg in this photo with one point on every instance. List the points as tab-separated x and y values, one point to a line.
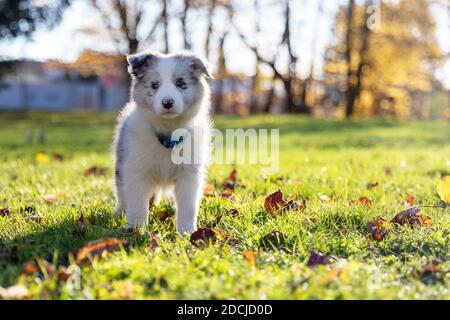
136	195
187	197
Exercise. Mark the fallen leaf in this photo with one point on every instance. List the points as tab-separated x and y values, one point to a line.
209	191
273	239
443	189
388	171
41	157
16	292
317	258
372	185
50	198
165	215
230	181
434	266
410	200
83	225
379	228
5	211
293	205
154	242
95	170
364	201
38	218
233	212
250	256
324	197
203	236
98	248
274	202
412	217
64	274
227	193
58	157
29	268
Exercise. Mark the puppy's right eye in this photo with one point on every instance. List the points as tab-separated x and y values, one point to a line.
155	85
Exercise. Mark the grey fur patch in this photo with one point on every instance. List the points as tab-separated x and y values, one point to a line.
196	66
120	153
137	62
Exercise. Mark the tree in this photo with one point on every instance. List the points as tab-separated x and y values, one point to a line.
381	71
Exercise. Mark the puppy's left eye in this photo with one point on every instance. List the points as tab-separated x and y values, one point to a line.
180	83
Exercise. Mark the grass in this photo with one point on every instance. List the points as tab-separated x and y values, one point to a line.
317	157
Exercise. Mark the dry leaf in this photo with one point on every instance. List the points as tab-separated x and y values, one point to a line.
227	193
233	212
203	236
250	256
364	201
5	211
317	258
324	197
154	242
443	189
97	248
379	228
273	239
388	171
58	157
434	266
165	215
372	185
64	274
95	170
412	217
230	181
50	198
29	268
209	191
38	218
410	200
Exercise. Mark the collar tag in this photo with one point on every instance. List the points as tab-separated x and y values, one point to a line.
167	141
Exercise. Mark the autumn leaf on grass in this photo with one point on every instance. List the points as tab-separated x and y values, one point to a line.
50	198
203	236
379	228
316	258
83	225
209	191
274	239
98	248
58	157
433	266
372	185
41	157
29	268
443	189
231	180
233	212
227	194
154	242
412	217
4	212
410	200
364	201
250	256
165	215
38	218
95	170
276	203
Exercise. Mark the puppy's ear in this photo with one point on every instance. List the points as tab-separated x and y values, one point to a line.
200	67
137	62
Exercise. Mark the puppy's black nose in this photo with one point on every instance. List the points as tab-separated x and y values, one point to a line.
167	103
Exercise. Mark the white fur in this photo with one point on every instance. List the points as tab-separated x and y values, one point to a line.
147	170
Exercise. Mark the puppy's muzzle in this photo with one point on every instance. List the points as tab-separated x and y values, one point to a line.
167	103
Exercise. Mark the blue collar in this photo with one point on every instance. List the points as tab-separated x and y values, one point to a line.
167	141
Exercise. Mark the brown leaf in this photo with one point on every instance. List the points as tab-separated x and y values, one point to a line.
230	181
364	201
5	211
273	239
293	205
50	198
29	268
227	193
95	170
58	157
209	191
38	218
274	202
154	242
233	212
96	248
203	236
165	215
317	258
412	217
324	198
388	171
379	228
434	266
83	225
372	185
250	256
410	200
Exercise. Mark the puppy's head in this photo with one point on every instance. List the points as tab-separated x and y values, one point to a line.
168	86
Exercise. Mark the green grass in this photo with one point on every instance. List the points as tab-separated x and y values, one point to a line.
328	157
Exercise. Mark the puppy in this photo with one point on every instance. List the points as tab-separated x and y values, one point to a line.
168	93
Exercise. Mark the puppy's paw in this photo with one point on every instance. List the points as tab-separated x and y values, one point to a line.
186	228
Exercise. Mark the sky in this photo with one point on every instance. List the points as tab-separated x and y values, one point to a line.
69	38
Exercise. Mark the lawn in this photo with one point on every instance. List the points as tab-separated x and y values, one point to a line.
327	163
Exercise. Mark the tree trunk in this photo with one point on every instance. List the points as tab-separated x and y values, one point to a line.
165	20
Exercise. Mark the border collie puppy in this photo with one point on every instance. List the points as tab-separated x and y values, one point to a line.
167	116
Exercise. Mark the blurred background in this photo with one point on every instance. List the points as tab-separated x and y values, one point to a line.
343	58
